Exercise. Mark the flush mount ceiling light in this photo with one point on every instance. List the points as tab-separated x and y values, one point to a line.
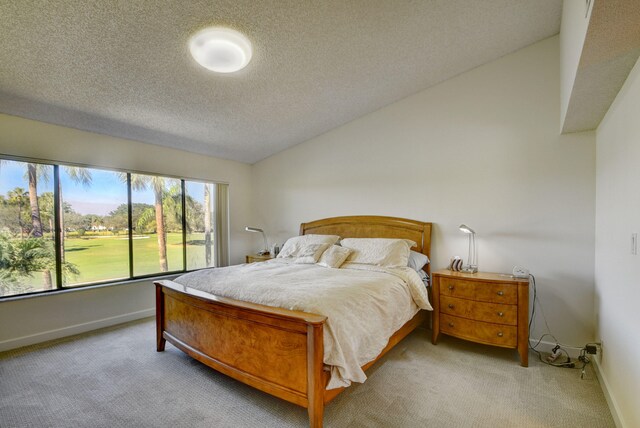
220	49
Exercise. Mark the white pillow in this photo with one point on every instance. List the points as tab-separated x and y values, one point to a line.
417	261
294	245
311	253
378	251
334	256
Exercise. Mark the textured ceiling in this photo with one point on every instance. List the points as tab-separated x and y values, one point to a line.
611	49
123	67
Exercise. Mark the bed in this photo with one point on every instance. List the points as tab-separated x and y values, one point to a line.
278	351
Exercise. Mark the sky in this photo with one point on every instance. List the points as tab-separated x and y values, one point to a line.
105	193
13	174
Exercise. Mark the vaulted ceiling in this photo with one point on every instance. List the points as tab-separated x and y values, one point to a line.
123	68
610	50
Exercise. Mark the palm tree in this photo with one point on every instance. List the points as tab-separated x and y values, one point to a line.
47	210
172	205
19	259
158	188
33	170
17	196
142	182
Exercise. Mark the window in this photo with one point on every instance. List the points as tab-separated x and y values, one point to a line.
27	251
200	226
157	224
94	236
108	226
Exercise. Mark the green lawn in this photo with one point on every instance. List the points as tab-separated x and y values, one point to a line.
107	258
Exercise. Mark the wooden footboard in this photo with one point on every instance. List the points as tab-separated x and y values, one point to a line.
277	351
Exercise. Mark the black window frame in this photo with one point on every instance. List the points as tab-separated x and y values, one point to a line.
57	235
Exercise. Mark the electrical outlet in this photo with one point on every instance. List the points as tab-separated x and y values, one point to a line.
600	354
634	244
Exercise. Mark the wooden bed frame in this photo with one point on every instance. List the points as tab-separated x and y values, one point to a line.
275	350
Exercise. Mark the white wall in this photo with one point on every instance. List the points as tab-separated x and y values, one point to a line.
617	274
483	149
575	22
43	317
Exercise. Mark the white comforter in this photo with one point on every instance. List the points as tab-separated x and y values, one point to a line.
364	304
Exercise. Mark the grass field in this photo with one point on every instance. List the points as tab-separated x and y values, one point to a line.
107	258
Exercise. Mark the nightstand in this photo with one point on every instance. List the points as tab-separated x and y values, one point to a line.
253	258
481	307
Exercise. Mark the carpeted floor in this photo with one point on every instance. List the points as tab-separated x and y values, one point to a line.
115	378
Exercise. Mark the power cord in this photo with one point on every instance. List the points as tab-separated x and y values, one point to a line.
557	350
585	360
589	348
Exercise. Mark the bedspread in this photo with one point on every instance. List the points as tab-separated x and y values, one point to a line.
364	304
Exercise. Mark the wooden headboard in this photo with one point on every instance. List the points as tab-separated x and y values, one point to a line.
365	226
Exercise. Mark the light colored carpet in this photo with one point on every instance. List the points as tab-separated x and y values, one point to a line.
115	378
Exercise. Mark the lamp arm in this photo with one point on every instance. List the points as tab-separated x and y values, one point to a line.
472	261
475	251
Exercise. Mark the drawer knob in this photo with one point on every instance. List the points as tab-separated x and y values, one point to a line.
500	334
450	305
450	287
450	324
501	293
500	314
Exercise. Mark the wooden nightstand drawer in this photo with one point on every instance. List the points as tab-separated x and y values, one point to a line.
255	258
483	307
478	331
489	312
482	291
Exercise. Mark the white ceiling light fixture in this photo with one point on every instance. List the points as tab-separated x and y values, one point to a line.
221	49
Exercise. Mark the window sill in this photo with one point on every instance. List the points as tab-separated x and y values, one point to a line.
39	294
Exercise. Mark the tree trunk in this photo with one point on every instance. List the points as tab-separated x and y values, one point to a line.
60	214
162	237
33	201
47	284
36	232
207	224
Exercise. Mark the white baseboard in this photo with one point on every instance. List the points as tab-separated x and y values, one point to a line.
604	384
44	336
